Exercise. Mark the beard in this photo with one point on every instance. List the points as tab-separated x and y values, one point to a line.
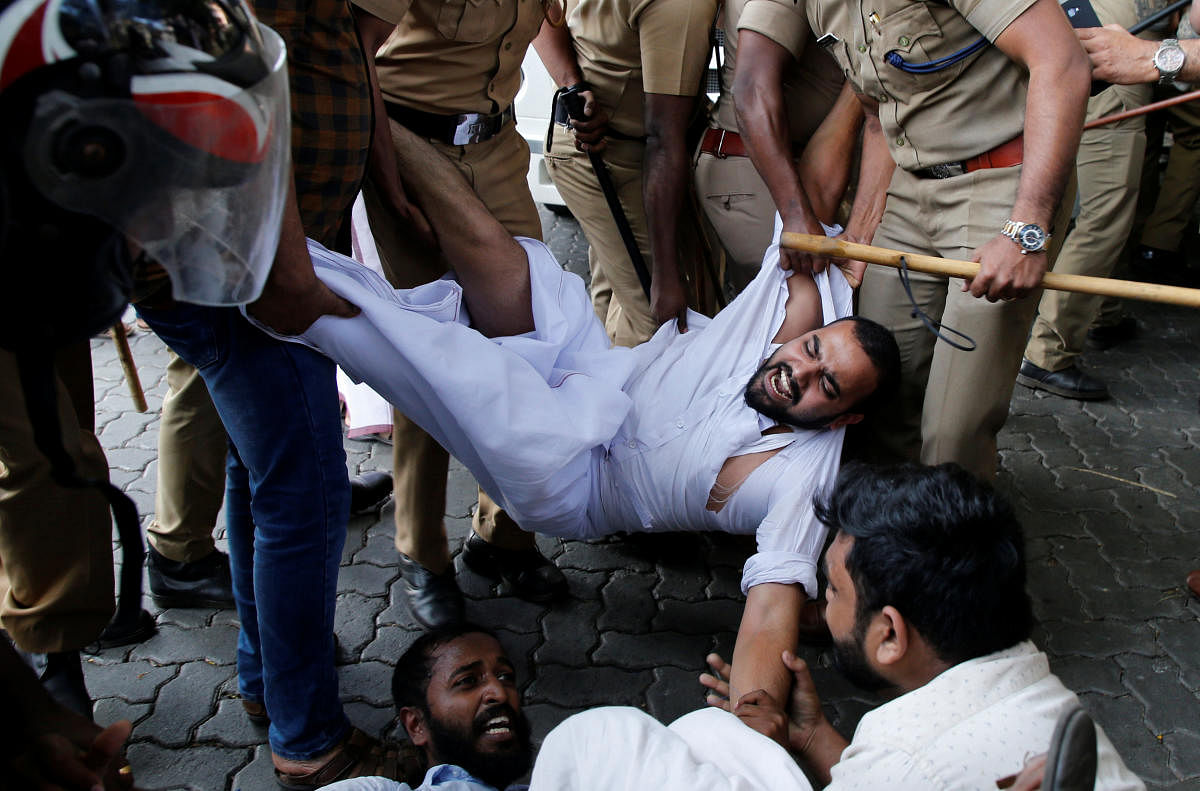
758	400
851	661
498	767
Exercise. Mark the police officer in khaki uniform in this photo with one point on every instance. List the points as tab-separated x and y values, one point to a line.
644	62
1109	169
981	105
733	196
449	72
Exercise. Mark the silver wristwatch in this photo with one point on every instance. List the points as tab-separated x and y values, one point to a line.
1169	60
1029	237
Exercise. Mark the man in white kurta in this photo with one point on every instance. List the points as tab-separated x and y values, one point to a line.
598	439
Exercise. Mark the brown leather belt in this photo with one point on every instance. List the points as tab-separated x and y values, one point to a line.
1004	155
722	143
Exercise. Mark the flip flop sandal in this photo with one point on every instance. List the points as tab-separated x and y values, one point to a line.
360	756
1071	760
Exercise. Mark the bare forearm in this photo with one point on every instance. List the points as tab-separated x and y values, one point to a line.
664	184
874	174
553	45
768	627
820	749
1054	112
762	119
824	167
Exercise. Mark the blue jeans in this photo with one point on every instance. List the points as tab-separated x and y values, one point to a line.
287	503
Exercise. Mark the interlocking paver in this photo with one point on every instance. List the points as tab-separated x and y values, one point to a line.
1106	557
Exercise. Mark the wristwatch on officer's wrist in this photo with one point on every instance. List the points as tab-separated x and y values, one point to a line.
1169	60
1029	237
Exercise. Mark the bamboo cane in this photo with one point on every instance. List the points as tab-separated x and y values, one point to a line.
127	365
1082	284
1146	108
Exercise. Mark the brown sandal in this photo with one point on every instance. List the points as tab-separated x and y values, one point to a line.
361	756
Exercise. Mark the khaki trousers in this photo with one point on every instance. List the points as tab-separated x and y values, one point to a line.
1109	169
1165	227
616	291
952	403
496	169
56	550
191	468
738	205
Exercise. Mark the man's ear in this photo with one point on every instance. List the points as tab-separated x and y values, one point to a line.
845	419
413	720
893	636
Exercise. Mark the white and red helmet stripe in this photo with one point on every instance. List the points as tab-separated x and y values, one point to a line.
206	112
30	37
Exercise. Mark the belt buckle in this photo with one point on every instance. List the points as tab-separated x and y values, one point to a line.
471	128
946	170
720	152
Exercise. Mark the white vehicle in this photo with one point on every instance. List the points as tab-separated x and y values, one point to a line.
532	107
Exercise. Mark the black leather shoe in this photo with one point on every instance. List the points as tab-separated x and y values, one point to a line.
434	599
1069	382
1153	265
1106	336
61	674
201	583
527	573
369	491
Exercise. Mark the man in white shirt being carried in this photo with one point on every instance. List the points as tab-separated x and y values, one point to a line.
731	426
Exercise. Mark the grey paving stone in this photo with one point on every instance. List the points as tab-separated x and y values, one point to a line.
354	620
231	727
687	583
1180	638
1155	682
725	583
674	692
1098	639
1184	747
183	703
586	584
377	721
258	774
628	602
133	682
197	768
216	644
650	651
184	618
600	556
462	495
378	550
570	633
368	682
592	686
389	643
129	458
397	611
1080	674
106	711
1121	718
698	618
125	427
366	579
507	612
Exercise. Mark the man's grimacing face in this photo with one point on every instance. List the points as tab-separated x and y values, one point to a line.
813	380
474	710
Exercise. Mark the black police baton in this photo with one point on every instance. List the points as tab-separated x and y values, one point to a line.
573	103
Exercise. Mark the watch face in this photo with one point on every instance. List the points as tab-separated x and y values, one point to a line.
1031	238
1169	60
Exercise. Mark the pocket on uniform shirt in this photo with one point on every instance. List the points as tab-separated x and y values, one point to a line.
469	20
915	36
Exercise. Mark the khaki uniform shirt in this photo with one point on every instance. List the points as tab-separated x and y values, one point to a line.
928	119
628	48
454	56
811	82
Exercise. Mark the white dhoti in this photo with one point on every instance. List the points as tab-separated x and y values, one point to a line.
526	414
617	748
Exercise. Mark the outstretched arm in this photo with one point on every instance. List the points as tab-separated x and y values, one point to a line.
664	184
770	626
490	265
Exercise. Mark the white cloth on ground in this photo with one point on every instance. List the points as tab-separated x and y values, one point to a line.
443	777
545	424
615	748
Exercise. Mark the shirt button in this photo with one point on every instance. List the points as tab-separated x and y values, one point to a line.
678	424
632	443
905	41
508	45
883	97
862	47
899	141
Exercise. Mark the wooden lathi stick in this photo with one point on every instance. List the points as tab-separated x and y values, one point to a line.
127	365
1082	284
1145	108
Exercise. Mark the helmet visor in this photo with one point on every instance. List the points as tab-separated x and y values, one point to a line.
192	168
